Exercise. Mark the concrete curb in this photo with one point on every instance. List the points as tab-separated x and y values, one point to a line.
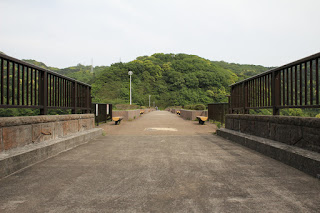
304	160
21	157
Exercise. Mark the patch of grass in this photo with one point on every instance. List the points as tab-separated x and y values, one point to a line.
104	133
217	123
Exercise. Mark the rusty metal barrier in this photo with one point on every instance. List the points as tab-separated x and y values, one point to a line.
217	111
294	85
24	85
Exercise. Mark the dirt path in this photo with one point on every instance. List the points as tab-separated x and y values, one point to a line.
133	169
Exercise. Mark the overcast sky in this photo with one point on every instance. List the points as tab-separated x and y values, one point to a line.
63	33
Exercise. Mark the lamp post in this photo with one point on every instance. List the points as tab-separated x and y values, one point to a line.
149	100
130	73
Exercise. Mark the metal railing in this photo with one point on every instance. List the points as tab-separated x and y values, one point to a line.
217	111
24	85
294	85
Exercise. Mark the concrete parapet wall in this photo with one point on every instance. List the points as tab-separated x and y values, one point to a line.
173	110
21	157
20	131
295	131
127	114
302	159
192	114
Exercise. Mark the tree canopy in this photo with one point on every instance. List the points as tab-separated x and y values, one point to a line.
170	79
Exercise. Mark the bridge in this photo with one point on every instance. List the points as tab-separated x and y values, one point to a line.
159	162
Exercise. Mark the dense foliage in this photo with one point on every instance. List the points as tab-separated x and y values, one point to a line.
170	79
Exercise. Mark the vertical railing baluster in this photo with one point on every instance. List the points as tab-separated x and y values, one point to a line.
265	90
27	85
249	93
23	83
287	78
317	81
18	86
31	88
87	100
35	87
296	85
43	92
275	92
260	92
269	101
300	91
311	84
59	91
305	84
65	93
291	85
8	82
13	82
50	90
2	76
283	88
74	97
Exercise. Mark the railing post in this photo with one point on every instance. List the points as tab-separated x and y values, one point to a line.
244	97
43	92
110	111
275	92
231	99
74	97
88	98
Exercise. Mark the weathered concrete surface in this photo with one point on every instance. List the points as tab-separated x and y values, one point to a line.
20	131
297	131
160	172
302	159
127	114
21	157
192	114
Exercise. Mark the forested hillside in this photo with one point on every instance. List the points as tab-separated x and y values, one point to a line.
170	79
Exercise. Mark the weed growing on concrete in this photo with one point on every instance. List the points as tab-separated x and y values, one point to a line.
217	123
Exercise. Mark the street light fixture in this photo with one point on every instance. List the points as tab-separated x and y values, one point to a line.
130	73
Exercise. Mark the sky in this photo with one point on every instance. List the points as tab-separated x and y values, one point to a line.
63	33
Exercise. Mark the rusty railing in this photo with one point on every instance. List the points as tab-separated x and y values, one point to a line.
217	111
294	85
24	85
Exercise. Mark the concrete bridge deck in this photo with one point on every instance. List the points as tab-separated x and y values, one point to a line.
136	169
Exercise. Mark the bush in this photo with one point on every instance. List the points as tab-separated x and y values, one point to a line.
199	107
127	106
188	107
318	116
